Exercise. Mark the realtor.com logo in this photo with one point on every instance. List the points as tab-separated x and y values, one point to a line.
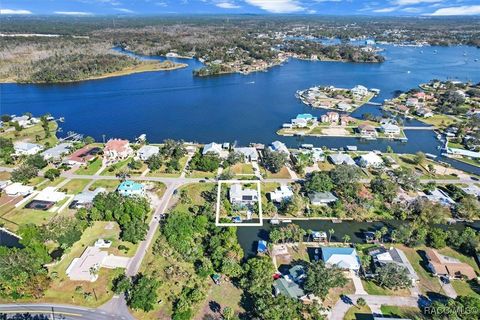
439	310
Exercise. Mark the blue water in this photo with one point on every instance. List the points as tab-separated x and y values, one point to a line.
242	108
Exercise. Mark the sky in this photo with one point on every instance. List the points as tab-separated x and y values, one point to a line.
322	7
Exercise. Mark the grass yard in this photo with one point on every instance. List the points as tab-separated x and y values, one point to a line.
241	168
466	288
193	192
438	120
226	295
163	173
26	216
30	134
282	174
427	282
63	290
335	293
109	185
374	289
116	168
91	168
49	183
359	313
266	187
4	175
325	166
75	186
201	174
402	312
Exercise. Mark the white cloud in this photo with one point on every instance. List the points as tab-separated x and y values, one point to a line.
385	10
412	10
227	5
124	10
13	11
277	6
457	11
161	4
413	2
73	13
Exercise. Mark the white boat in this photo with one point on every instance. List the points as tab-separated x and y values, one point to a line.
274	221
287	221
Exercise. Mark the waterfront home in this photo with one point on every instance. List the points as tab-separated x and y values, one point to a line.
440	196
370	160
131	188
82	156
290	285
424	112
26	148
381	257
56	153
17	189
317	154
341	158
214	148
85	199
283	193
306	116
146	152
367	130
360	90
449	267
299	123
24	121
242	197
330	117
278	146
390	129
321	198
343	106
343	258
249	153
345	120
116	150
403	109
411	102
463	152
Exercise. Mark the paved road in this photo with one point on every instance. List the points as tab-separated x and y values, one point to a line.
375	302
58	311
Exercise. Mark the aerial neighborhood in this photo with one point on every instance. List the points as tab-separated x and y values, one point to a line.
95	202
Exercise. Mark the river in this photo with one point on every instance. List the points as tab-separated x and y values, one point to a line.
234	107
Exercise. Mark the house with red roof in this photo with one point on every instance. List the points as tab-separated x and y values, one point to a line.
116	150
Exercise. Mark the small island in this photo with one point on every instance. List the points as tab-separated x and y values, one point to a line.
345	100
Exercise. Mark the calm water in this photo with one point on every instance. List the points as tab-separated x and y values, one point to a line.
242	108
248	237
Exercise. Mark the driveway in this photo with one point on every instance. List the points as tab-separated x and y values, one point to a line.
448	289
357	283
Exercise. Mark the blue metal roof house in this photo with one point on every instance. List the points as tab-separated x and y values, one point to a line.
262	246
131	188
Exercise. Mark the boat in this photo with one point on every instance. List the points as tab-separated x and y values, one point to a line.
307	146
430	156
352	148
286	221
262	247
237	219
274	221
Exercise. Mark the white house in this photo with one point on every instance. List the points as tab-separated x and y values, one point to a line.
240	196
441	197
57	152
359	90
370	159
26	148
213	148
341	158
343	258
145	152
321	198
390	129
24	121
18	189
49	194
249	153
116	150
278	146
283	193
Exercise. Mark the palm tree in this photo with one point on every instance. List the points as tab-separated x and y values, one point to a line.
330	233
309	232
346	238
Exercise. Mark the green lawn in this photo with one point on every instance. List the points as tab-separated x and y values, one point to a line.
91	168
26	216
374	289
402	312
163	173
109	185
75	186
282	174
201	174
63	290
30	134
241	168
466	288
116	168
226	294
358	313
